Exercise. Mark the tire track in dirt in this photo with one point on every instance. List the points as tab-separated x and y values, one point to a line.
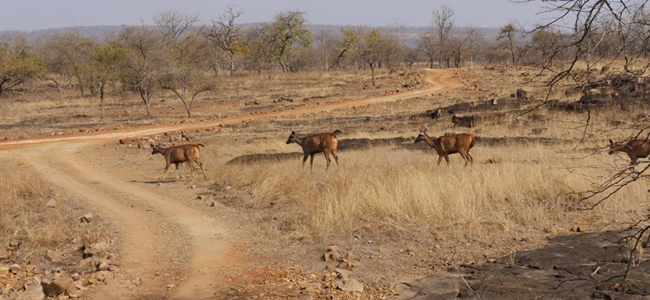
208	239
439	81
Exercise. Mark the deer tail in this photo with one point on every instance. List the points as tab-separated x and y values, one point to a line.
336	131
200	145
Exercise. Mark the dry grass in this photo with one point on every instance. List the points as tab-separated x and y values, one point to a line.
530	188
31	228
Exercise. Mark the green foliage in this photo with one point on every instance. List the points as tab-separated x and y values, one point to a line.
17	66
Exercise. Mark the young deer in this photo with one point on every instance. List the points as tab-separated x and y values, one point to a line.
180	154
635	149
450	144
324	142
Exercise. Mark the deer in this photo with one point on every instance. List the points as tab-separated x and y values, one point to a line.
449	144
635	149
179	154
312	144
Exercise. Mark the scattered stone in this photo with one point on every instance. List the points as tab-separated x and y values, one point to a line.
551	230
51	203
522	94
56	287
4	255
342	273
126	141
502	227
87	217
36	260
538	130
350	285
33	290
579	228
494	160
14	269
4	271
527	240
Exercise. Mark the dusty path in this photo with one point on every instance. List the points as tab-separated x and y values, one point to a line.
439	81
157	230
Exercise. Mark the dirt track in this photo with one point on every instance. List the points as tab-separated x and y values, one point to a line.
161	235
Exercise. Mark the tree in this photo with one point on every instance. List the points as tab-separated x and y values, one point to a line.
427	45
184	74
227	37
145	60
107	66
442	26
347	43
508	31
173	23
370	50
17	66
288	30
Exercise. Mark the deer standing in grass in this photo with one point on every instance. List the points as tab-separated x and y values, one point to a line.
312	144
635	149
449	144
179	154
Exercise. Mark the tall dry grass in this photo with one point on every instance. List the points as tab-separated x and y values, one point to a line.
30	228
530	188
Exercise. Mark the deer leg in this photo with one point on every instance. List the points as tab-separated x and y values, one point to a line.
327	158
447	159
177	171
304	159
311	161
465	157
202	171
165	172
633	157
336	158
189	162
439	159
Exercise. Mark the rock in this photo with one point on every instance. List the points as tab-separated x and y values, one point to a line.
465	121
350	285
14	269
580	228
74	287
4	271
56	287
87	217
51	203
306	297
126	141
551	230
494	160
36	260
4	255
522	95
538	130
502	227
33	290
342	273
98	238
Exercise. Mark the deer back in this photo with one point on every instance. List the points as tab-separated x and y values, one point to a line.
453	143
640	148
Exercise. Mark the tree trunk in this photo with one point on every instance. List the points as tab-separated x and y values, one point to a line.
512	49
101	97
372	71
232	64
284	67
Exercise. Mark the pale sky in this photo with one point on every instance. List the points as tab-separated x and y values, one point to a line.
29	15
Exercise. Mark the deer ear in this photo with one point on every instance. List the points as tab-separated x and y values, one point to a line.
425	130
293	132
610	141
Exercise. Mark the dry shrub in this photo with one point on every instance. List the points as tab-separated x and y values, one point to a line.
26	224
529	188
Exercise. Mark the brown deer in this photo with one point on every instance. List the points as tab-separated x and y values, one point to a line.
449	144
312	144
179	154
635	149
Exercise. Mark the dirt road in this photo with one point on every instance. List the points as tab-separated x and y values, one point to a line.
170	249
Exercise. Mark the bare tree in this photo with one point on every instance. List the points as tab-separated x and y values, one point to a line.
442	26
227	37
508	31
173	23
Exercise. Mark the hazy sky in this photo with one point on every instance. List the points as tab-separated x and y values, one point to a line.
29	15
